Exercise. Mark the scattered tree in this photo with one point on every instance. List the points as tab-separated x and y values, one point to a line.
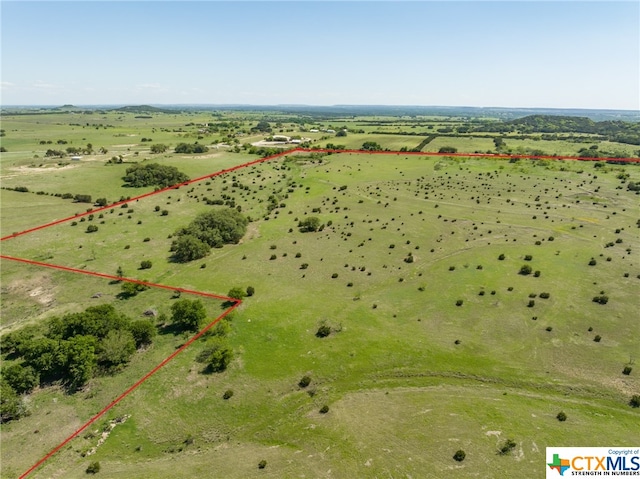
188	314
310	224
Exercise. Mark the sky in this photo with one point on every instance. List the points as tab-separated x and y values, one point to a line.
546	54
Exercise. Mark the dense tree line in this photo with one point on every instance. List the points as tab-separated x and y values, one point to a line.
70	350
153	174
211	229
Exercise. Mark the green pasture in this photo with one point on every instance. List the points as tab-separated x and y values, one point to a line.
409	377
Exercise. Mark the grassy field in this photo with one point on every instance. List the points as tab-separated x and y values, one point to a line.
408	376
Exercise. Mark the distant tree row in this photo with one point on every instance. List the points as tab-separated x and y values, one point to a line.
153	174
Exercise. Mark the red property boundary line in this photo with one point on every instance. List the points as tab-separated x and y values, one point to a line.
236	303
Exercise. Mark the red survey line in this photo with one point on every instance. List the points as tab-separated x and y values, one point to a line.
128	391
236	303
117	278
145	195
473	155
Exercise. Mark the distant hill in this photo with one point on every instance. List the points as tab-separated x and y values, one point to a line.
145	109
553	123
620	131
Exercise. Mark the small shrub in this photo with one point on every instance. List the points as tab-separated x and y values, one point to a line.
545	295
528	257
251	291
598	338
92	229
531	303
228	394
93	468
627	370
592	262
536	274
146	264
635	400
459	455
501	257
561	416
324	409
262	464
508	446
459	302
273	256
525	270
146	240
304	382
602	299
304	265
549	328
323	331
334	275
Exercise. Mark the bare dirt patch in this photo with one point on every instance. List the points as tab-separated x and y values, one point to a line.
26	297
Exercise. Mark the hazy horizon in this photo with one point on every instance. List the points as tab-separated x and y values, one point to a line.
554	55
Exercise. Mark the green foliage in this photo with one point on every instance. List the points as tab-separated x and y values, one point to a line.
448	149
72	347
217	354
601	299
81	360
228	394
251	291
153	174
158	148
92	229
561	416
11	405
310	224
146	264
94	321
21	378
627	370
262	464
262	126
323	331
635	400
221	329
93	468
324	409
508	446
116	349
459	455
371	146
188	314
190	148
304	382
237	293
217	227
82	199
188	248
130	289
143	332
525	270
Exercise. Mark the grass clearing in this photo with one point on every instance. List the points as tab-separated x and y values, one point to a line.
403	396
